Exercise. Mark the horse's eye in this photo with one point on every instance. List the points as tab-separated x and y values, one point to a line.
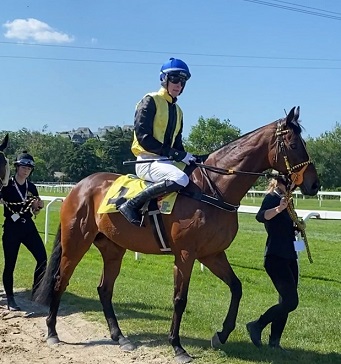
293	145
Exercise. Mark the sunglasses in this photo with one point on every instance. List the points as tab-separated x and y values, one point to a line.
176	79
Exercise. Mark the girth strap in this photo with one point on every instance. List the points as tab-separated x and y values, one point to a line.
158	226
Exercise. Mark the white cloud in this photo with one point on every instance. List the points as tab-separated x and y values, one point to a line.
33	29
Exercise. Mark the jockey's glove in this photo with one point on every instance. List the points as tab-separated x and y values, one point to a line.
188	159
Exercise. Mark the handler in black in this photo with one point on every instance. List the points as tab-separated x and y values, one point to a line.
21	201
280	263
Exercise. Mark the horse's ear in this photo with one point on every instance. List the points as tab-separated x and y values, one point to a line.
291	116
297	113
3	146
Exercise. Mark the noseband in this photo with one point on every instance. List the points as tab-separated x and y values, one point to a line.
296	177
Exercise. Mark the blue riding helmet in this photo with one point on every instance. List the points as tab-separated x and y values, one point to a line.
174	66
24	159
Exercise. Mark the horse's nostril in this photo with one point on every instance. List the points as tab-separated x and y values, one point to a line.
316	186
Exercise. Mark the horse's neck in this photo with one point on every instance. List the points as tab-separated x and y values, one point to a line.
248	154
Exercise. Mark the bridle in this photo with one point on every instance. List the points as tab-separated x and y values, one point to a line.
295	177
4	180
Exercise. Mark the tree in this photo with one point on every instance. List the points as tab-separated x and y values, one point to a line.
48	149
116	149
41	172
325	151
210	134
80	163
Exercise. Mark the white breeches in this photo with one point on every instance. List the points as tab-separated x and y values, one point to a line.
160	171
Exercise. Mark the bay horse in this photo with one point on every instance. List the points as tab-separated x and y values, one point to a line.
195	229
4	164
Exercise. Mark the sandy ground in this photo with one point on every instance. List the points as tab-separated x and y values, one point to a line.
22	339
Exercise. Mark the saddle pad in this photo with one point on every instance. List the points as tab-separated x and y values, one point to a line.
128	186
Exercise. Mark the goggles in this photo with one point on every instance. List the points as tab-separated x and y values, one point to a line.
176	79
25	163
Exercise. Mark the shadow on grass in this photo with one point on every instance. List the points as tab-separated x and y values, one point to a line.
71	303
136	310
242	350
233	350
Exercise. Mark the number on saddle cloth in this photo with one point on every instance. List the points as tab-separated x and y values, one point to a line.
127	187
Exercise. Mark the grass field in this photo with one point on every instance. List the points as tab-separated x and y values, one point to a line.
308	203
143	297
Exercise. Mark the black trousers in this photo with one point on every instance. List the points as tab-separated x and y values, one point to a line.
14	234
284	276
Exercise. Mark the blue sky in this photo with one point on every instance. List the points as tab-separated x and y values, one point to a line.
72	63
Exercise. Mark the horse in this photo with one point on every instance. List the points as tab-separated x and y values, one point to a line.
4	164
196	230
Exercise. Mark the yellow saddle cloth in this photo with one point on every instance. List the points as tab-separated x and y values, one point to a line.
128	186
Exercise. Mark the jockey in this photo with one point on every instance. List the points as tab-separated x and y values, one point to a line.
158	128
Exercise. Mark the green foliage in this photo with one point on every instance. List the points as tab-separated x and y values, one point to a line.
53	153
81	163
325	151
117	150
49	151
210	134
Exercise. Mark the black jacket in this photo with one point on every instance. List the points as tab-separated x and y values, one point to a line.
280	229
10	194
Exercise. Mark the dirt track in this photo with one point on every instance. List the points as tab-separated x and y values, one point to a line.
22	339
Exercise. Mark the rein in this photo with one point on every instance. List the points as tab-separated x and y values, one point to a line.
299	223
296	177
28	201
228	172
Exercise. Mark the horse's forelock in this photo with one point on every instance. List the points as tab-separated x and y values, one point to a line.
296	126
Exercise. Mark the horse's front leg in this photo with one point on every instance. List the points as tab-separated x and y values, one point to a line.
219	266
112	255
182	273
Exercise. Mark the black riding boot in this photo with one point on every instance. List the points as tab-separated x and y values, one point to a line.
11	304
131	208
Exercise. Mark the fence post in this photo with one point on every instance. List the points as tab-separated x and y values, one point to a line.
47	216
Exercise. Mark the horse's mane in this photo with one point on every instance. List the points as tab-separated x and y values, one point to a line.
294	125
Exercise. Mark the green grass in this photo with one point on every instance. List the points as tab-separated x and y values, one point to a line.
143	298
308	203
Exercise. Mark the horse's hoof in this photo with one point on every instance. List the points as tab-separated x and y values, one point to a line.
126	344
215	342
53	340
183	358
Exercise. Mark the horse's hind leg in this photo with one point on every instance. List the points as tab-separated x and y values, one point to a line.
112	255
219	266
71	248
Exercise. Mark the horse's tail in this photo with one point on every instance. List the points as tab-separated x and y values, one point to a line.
45	289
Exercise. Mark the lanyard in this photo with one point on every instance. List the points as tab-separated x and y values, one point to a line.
18	190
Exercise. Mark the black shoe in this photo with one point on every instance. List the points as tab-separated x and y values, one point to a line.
11	304
274	344
255	331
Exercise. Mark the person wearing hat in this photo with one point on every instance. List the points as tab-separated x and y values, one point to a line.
158	128
280	262
21	202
